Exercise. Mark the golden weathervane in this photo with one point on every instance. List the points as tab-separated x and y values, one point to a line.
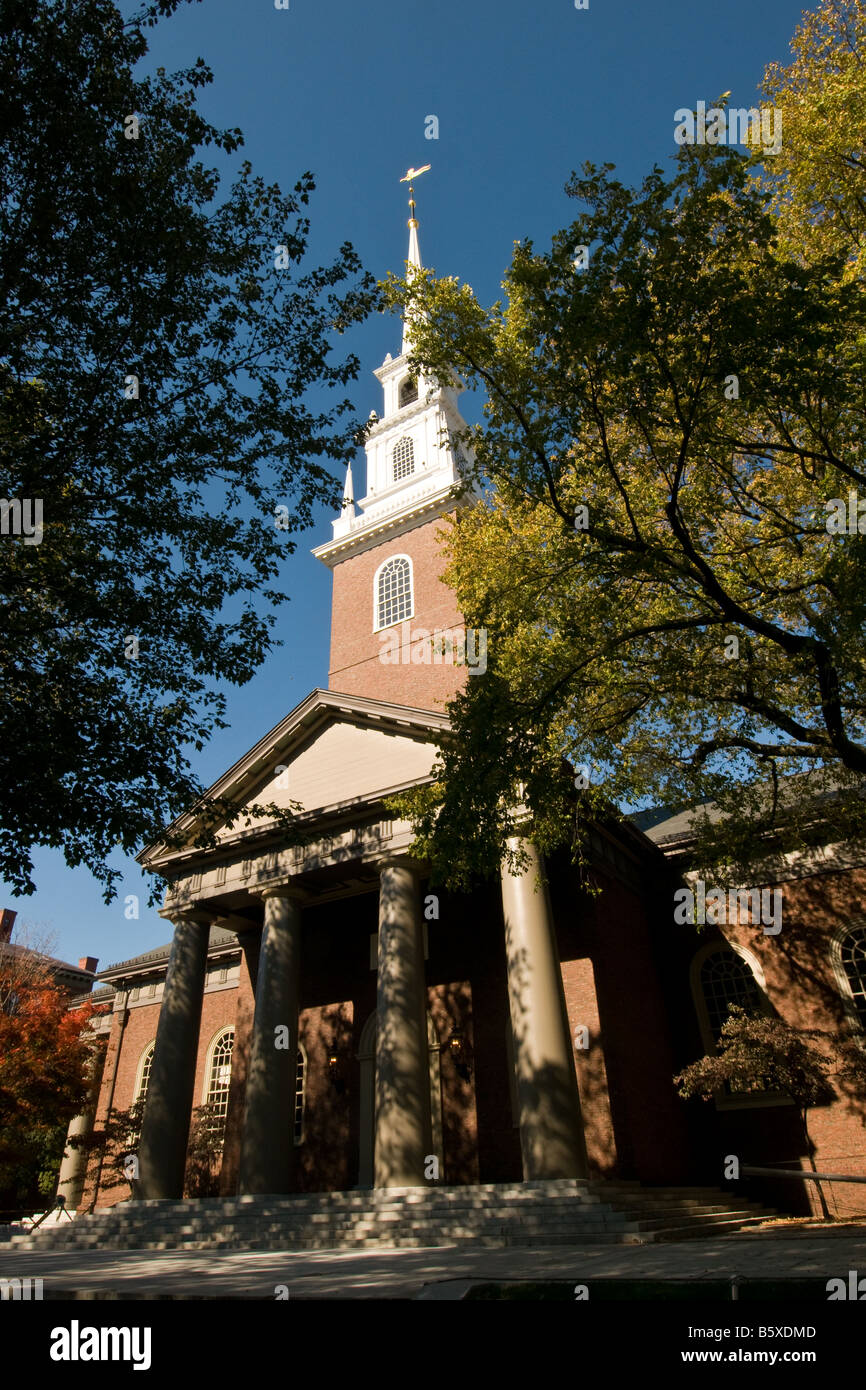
408	177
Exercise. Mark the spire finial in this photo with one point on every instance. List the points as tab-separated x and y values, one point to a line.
409	177
414	257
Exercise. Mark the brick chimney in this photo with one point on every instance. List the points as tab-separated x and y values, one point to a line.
7	922
88	963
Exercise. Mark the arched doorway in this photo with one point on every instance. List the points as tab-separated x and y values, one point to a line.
367	1129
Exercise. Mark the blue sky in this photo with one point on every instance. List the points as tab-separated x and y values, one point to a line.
524	94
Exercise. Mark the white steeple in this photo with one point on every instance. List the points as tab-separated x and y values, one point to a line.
412	472
413	260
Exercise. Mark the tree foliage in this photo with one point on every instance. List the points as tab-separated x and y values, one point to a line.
116	1139
818	178
46	1056
165	370
651	558
761	1053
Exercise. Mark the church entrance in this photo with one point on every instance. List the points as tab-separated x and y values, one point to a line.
367	1129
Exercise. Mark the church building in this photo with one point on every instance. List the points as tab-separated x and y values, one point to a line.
348	1025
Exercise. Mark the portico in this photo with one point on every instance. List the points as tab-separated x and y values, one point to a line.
269	899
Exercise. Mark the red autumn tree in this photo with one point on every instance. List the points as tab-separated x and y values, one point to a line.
45	1056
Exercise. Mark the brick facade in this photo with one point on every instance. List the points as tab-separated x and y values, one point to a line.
356	667
626	979
803	989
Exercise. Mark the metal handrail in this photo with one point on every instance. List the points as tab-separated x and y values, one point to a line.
796	1173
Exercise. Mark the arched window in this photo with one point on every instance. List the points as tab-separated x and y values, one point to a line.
143	1079
393	592
218	1076
723	974
852	949
403	458
408	391
300	1085
726	979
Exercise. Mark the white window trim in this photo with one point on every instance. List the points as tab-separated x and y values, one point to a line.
298	1139
139	1071
410	615
740	1100
212	1047
401	405
852	1017
392	461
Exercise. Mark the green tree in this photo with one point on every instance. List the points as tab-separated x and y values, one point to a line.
818	178
114	1143
665	432
165	370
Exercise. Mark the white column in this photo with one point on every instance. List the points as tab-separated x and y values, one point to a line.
168	1107
551	1129
267	1150
403	1130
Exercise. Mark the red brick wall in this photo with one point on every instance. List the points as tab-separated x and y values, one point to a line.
114	1065
450	1007
324	1158
218	1011
467	946
244	1013
803	989
635	1127
581	1002
131	1031
355	665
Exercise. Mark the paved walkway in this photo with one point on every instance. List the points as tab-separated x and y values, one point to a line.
434	1273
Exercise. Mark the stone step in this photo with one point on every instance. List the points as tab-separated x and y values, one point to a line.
675	1211
398	1241
628	1189
316	1206
649	1211
467	1217
281	1239
556	1212
129	1213
661	1223
294	1220
728	1225
131	1222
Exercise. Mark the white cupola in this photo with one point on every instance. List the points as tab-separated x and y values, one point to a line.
412	471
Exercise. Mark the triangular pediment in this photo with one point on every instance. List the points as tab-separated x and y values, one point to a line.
332	752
